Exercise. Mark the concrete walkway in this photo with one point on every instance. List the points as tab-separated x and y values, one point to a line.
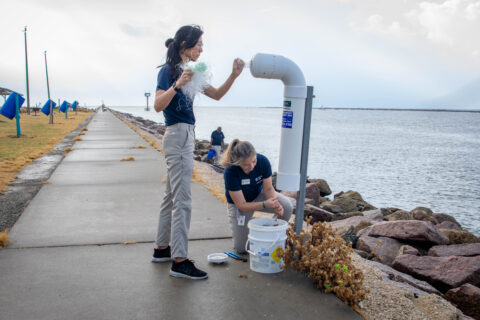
67	260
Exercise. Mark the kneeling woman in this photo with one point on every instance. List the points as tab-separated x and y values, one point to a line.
248	188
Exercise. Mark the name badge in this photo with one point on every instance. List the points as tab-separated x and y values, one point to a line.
245	181
241	221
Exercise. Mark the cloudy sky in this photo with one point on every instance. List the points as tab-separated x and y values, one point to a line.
369	53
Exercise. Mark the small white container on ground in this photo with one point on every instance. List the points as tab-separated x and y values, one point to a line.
217	258
266	239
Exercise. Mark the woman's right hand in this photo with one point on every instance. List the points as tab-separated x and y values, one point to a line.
272	203
184	78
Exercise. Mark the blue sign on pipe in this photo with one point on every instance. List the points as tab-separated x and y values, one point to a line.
64	106
9	108
74	104
46	107
287	119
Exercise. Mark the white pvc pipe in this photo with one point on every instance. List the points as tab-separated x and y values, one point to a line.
271	66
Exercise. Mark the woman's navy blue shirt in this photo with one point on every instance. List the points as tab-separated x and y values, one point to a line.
250	184
180	109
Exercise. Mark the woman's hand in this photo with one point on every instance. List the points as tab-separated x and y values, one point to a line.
238	65
279	210
275	205
184	78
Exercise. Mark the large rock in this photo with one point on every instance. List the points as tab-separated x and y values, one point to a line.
318	214
322	185
381	249
448	225
399	215
345	224
312	192
440	217
202	144
376	214
362	225
467	299
406	249
391	274
410	231
444	273
363	231
464	250
290	194
423	214
459	236
347	202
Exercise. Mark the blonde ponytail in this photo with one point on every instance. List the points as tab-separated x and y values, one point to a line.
237	151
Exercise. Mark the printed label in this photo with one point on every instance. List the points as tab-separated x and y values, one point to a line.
245	181
277	254
287	119
287	103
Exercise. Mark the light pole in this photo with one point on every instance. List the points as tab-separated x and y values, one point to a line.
147	94
48	89
26	70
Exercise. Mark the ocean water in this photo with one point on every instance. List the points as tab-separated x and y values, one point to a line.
400	159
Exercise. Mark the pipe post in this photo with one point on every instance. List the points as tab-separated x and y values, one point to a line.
299	215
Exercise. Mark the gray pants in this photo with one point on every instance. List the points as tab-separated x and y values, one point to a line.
240	233
176	208
218	150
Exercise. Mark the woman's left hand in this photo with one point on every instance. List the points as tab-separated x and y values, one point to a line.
238	65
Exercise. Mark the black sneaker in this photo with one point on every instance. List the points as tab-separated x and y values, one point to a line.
186	269
161	255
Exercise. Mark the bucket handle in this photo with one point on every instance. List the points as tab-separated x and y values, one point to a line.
261	253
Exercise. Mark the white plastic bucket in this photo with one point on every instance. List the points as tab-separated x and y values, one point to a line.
266	239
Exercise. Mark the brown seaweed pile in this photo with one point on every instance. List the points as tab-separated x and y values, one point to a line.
324	257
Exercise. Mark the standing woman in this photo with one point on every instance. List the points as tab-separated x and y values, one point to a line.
178	146
248	188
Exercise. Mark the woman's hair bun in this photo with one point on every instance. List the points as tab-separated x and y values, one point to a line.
168	42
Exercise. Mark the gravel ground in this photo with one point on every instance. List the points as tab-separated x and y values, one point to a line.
386	300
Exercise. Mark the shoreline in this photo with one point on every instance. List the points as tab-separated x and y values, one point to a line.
386	299
344	108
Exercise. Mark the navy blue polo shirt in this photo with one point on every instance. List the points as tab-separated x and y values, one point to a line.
180	109
217	138
250	184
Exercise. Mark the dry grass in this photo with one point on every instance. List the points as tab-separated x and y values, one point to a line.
77	139
45	181
38	137
140	146
129	242
68	149
219	195
84	129
81	134
4	238
141	133
128	159
164	180
196	177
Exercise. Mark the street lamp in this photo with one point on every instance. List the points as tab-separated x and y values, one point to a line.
26	70
50	121
147	94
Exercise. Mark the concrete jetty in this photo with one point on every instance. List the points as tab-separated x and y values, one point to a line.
69	259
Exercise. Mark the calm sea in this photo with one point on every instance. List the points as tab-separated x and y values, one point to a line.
400	159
